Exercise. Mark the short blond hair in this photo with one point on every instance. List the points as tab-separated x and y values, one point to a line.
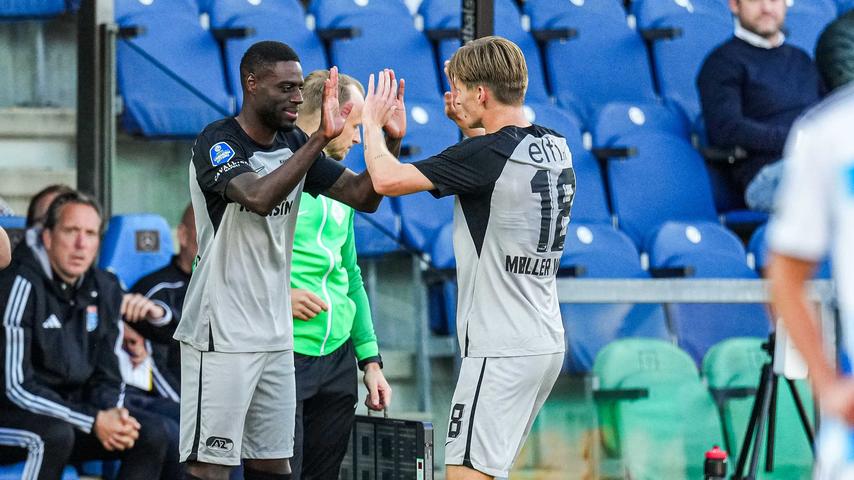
312	90
494	62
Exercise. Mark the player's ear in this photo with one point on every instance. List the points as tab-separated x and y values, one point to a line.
251	83
482	94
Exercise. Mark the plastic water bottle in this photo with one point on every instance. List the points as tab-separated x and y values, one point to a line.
716	466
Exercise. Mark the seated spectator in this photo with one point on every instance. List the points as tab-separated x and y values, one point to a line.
147	390
5	249
167	288
37	210
63	389
752	88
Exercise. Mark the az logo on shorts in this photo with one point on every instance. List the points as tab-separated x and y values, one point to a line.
221	153
219	444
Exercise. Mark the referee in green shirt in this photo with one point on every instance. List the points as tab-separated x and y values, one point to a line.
333	328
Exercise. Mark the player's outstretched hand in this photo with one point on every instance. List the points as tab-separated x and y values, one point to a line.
838	400
379	391
306	305
136	307
382	99
333	115
395	127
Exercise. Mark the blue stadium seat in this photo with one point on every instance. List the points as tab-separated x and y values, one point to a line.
410	54
378	233
542	11
106	469
135	245
336	13
8	222
665	181
758	247
680	243
607	60
805	20
31	8
600	251
168	91
374	241
677	61
729	202
443	294
843	6
551	116
648	11
266	19
445	14
616	119
422	217
16	472
711	252
428	131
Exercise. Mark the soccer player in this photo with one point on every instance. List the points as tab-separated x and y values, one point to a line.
816	216
332	317
246	177
514	185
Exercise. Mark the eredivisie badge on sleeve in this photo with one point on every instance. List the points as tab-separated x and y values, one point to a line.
220	153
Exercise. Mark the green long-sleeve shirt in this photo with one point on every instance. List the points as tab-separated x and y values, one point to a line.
324	263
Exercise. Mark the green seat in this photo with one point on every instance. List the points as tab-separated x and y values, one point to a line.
665	433
736	364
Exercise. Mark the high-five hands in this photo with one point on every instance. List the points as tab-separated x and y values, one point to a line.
395	127
333	115
383	101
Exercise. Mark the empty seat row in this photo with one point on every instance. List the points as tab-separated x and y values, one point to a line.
658	413
583	44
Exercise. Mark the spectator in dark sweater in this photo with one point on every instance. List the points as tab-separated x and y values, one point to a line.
752	89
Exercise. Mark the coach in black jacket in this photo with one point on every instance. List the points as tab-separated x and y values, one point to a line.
63	391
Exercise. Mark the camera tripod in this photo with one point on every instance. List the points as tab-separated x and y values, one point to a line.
765	411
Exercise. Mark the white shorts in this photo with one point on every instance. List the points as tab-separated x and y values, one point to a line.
834	451
494	406
236	405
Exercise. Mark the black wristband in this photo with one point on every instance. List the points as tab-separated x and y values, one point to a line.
375	359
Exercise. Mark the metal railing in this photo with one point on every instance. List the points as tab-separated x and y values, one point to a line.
656	291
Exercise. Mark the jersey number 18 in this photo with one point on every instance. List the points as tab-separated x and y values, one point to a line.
565	191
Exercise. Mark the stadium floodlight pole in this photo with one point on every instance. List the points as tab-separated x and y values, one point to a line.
478	19
96	90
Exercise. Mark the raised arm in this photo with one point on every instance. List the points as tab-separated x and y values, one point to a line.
388	175
358	190
262	194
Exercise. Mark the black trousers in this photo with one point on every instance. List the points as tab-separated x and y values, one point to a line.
65	444
169	413
326	407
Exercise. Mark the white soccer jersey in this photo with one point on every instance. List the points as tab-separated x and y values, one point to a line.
514	190
816	198
238	299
